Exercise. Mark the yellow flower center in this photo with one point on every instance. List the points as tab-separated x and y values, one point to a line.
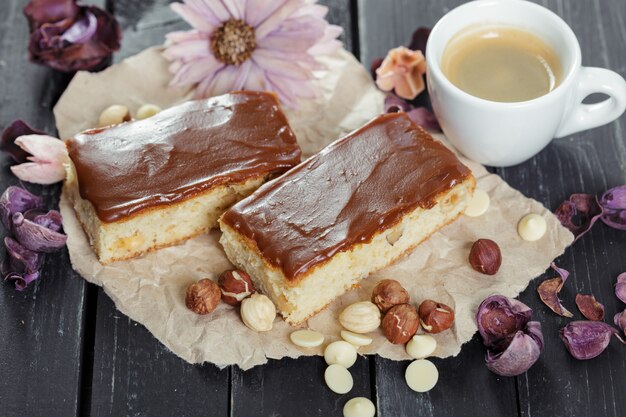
233	42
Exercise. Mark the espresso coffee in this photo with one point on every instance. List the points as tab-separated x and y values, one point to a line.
500	63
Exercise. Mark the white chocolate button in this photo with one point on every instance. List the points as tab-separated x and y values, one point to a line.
113	115
478	205
359	407
421	346
355	338
532	227
147	110
340	352
421	375
306	338
338	379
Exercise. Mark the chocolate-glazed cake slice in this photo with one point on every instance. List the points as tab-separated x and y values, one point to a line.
349	210
155	182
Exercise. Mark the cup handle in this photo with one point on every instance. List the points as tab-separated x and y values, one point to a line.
586	116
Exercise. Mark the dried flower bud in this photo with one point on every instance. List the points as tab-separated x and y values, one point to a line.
435	317
485	256
522	353
613	203
583	207
589	307
586	339
620	287
620	322
549	292
388	293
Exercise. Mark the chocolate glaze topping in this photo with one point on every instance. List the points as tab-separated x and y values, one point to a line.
345	194
181	152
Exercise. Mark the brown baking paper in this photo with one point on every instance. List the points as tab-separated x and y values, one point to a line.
151	289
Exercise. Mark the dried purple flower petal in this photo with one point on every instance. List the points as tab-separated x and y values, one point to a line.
420	39
579	213
620	321
71	38
620	287
520	354
376	63
589	307
17	199
586	339
614	204
51	220
499	318
424	118
38	237
22	280
21	259
13	131
549	290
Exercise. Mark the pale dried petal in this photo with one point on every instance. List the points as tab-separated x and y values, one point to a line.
403	71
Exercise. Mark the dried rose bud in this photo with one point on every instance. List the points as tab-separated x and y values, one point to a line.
499	318
620	287
549	292
589	307
586	339
521	353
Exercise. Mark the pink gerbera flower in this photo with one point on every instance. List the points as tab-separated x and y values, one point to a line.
250	45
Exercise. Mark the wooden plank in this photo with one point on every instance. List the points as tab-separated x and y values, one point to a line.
133	373
42	326
591	162
463	380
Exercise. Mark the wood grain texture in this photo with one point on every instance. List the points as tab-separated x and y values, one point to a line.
41	328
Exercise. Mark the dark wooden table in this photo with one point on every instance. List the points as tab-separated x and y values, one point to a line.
65	350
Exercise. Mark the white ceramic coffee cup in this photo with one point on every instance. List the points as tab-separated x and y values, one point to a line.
505	134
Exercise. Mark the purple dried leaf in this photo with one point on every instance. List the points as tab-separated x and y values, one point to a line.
17	199
614	204
424	118
37	237
620	287
394	104
590	307
586	339
39	12
21	259
549	290
13	131
51	220
579	213
500	318
620	321
420	39
522	353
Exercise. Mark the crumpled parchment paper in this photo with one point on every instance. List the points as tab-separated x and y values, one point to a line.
151	289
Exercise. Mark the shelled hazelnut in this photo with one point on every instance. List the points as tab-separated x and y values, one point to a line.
203	296
400	323
258	312
235	285
435	317
388	293
485	256
361	317
114	115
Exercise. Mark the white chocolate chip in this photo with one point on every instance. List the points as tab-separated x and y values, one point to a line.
338	379
421	346
355	338
147	110
478	205
306	338
114	115
359	407
421	375
340	352
532	227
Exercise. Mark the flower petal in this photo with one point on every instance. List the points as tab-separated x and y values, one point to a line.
21	259
423	117
11	133
277	17
590	307
38	173
17	199
582	208
620	287
188	50
195	71
282	68
259	10
37	237
47	161
522	353
614	204
586	339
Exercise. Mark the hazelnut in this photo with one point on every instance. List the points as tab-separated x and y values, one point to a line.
203	296
435	317
361	317
147	110
389	293
485	256
236	285
258	312
400	323
114	115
